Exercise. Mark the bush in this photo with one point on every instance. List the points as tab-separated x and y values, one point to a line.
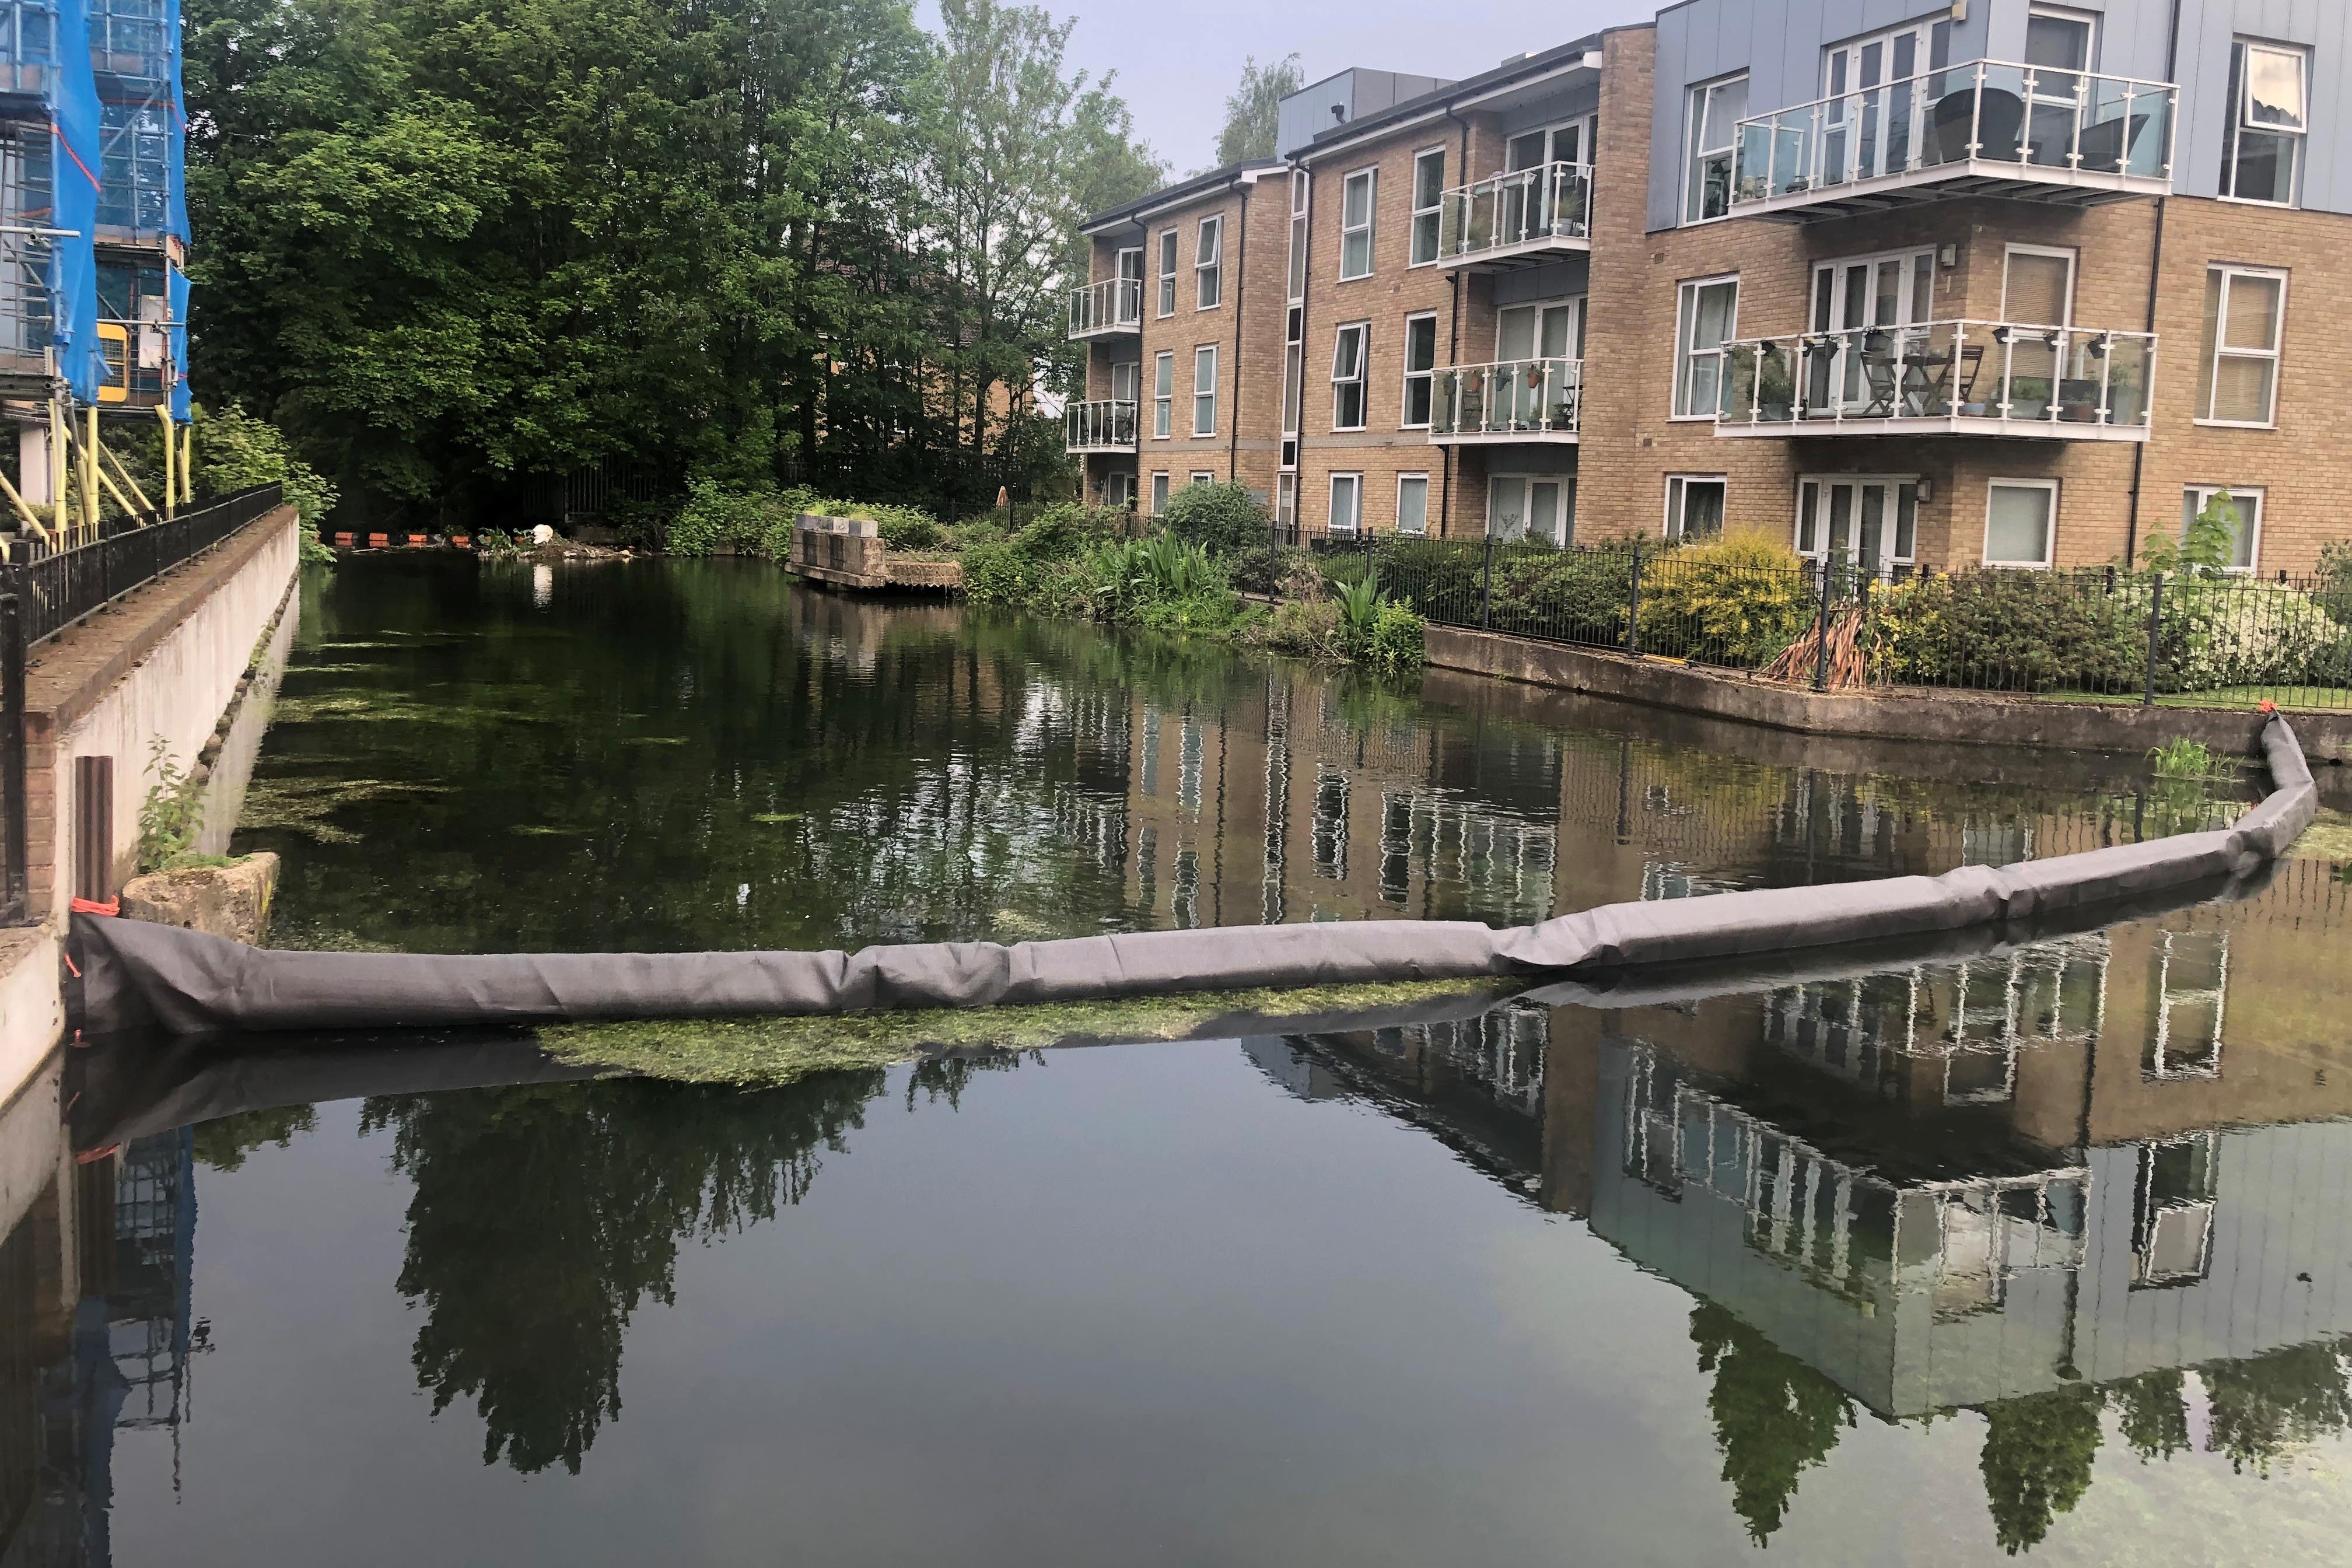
1222	519
2223	632
2009	631
235	450
1395	646
1579	596
1308	627
749	522
1735	601
1061	532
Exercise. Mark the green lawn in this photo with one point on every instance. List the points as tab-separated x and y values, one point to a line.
2292	699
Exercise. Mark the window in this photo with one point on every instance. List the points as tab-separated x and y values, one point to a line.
1356	224
1159	494
1122	381
2037	286
1299	188
1347	502
1205	390
1531	506
1866	521
2020	521
1168	272
1348	376
1694	505
1163	394
2262	141
1209	265
1294	379
2244	311
1412	503
1202	477
1707	315
2241	509
1286	505
1714	110
1420	369
1428	197
1118	491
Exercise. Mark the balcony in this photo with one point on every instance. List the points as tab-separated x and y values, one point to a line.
1990	129
1516	219
1111	309
1526	400
1941	378
1105	425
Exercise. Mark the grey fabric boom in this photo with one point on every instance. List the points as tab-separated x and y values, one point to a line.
137	975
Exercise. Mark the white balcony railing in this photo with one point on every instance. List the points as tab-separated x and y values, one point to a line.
1544	208
1989	377
2038	123
1113	305
1527	399
1107	424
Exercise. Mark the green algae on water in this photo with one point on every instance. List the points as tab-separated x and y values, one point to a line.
776	1050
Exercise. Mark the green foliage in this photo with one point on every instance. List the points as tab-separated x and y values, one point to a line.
315	550
224	1143
2206	546
1736	600
2018	631
2266	1405
2152	1413
906	528
2036	1461
1396	645
1775	1417
1562	592
717	517
2182	758
1359	608
235	450
1222	519
1249	129
170	813
2219	631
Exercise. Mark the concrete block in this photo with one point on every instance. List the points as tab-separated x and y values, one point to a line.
231	901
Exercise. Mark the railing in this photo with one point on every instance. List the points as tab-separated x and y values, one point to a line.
1115	304
1521	209
2066	122
1107	424
2061	377
58	588
1510	397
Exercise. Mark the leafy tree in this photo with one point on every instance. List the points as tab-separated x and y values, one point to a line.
2036	1461
1250	112
2208	542
1775	1417
2153	1412
2265	1404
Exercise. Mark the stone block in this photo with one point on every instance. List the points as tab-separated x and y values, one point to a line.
231	901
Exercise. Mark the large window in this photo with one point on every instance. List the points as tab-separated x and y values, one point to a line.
1694	505
2241	506
1428	197
1209	265
1159	493
1707	316
1715	110
1348	376
1412	503
2021	522
2244	311
1347	502
1164	395
1299	189
1356	224
1168	272
1205	390
1531	506
2263	142
1118	491
1420	368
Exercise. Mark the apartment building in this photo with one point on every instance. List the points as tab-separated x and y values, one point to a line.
1986	282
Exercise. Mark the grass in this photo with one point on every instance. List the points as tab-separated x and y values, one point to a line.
2306	698
768	1050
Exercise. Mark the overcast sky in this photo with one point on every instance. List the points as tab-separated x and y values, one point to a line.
1177	84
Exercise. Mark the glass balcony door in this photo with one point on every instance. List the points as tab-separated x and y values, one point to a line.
1868	124
1520	506
1869	522
1529	206
1860	308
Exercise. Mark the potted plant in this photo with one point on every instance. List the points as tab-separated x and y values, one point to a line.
1776	387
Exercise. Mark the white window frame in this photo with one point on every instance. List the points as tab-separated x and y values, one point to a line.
2240	121
2252	532
1368	228
1114	481
1565	522
1134	380
1427	377
1421	478
1301	195
1204	354
1360	379
1695	99
1159	491
1163	394
2073	277
1685	320
1892	523
1678	501
2275	353
1209	264
2049	536
1167	299
1434	213
1355	480
1201	477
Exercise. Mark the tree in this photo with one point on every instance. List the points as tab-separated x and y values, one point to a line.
2036	1461
1251	110
1775	1417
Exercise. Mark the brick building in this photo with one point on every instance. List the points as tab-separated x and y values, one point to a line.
1985	282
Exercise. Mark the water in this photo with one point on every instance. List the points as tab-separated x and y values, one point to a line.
2043	1250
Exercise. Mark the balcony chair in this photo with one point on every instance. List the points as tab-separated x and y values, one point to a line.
1999	125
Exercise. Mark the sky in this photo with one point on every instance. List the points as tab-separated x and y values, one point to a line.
1177	86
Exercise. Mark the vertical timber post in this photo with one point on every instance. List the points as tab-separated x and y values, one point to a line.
93	845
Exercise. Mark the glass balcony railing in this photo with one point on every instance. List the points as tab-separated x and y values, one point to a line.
1105	425
2073	380
1541	209
1113	305
2037	121
1534	398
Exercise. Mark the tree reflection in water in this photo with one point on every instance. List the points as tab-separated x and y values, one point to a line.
1775	1417
542	1216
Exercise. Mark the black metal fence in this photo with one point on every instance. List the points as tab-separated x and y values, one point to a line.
44	590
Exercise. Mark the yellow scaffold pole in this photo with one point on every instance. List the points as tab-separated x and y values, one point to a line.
16	504
145	509
61	467
188	464
171	451
90	475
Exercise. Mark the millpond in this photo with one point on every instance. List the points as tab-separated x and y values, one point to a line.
2042	1250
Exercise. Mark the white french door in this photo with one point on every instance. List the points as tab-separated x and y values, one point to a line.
1851	298
1123	375
1870	126
1871	521
1531	506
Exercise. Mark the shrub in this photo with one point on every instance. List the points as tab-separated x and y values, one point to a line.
2009	631
1222	519
1395	646
750	523
1308	627
171	813
1737	601
1060	532
1579	596
234	449
906	528
2224	632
